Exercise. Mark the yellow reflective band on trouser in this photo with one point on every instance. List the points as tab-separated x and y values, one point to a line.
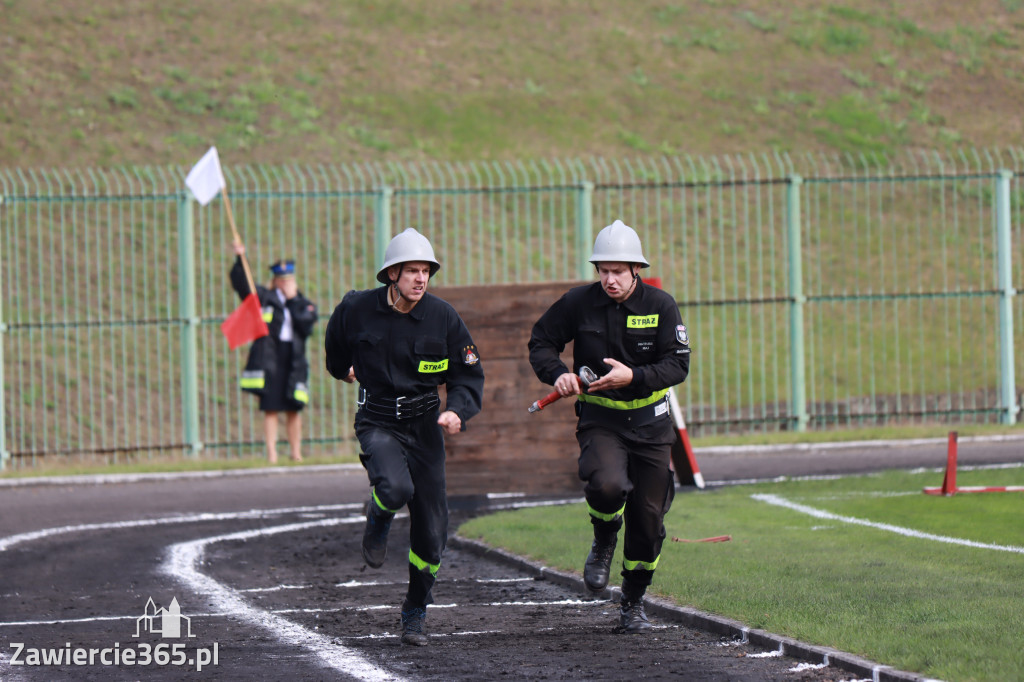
433	367
646	565
376	501
623	404
420	564
605	517
300	396
253	379
268	317
641	321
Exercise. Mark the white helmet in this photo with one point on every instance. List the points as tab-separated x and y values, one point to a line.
408	246
618	243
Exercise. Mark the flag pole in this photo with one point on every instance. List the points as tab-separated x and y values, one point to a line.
238	240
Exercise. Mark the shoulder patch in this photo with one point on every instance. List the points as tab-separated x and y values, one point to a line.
681	335
470	355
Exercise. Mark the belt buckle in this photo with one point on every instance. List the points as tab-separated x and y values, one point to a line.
361	397
398	406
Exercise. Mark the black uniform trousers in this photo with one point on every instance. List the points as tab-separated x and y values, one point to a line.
629	467
404	460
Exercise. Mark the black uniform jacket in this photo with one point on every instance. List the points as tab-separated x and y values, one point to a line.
263	355
405	354
645	333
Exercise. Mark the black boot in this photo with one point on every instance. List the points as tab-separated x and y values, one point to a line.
414	629
375	535
632	616
599	561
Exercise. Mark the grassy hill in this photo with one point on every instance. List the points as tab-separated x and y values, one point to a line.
110	82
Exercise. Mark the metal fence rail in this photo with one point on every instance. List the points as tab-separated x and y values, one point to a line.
818	291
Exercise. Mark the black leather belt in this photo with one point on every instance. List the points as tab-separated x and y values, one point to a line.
590	413
402	407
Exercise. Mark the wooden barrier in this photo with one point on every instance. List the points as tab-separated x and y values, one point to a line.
505	449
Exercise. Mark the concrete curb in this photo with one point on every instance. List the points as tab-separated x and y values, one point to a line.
100	479
701	620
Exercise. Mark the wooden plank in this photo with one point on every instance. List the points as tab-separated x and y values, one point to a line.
505	448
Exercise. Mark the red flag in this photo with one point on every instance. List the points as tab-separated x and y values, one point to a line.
245	324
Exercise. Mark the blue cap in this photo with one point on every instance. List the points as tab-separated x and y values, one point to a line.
283	268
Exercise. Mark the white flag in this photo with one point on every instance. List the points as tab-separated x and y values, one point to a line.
206	179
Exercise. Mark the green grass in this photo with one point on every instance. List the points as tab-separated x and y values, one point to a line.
288	81
943	610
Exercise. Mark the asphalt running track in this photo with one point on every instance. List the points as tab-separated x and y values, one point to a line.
265	567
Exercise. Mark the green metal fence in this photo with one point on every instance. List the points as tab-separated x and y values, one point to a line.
818	291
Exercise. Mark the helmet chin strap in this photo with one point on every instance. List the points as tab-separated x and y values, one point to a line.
397	296
636	278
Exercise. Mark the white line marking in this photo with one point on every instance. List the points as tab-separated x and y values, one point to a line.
276	588
184	557
909	532
12	540
363	583
561	602
97	619
799	668
767	654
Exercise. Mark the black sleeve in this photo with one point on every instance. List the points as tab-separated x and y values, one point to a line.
465	378
337	354
238	279
548	338
304	315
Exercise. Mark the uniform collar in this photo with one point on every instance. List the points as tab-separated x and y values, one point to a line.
417	313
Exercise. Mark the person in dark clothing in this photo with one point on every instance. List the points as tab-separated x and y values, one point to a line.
277	370
400	343
630	334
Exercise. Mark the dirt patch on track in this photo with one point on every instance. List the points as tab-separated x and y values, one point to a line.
489	620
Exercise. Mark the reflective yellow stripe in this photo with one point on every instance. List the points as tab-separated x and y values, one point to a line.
251	382
641	321
267	317
646	565
432	367
624	404
301	396
420	564
605	517
376	500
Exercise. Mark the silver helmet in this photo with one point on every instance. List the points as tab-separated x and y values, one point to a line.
618	243
408	246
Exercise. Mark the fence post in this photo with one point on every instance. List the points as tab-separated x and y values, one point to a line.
382	225
4	454
797	388
1007	384
190	324
584	229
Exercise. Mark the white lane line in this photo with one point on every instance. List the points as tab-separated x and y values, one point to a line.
909	532
97	619
12	540
181	565
560	602
364	583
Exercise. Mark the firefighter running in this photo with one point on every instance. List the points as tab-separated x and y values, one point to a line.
632	335
400	343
